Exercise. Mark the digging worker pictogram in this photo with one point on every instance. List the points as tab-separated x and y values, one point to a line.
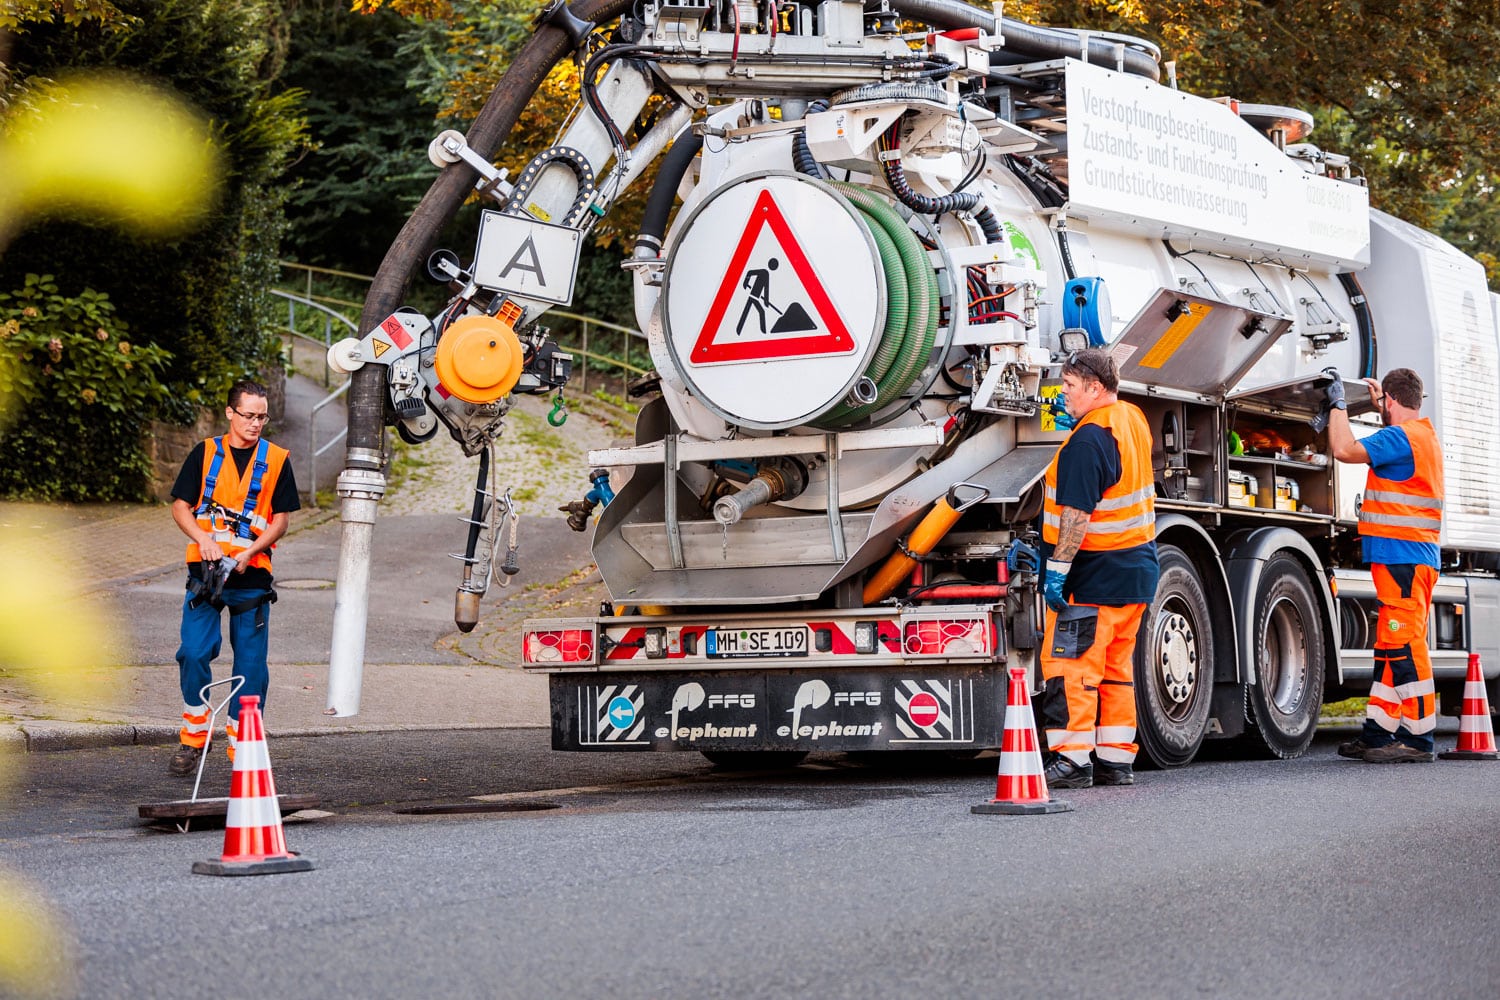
1400	520
757	281
1099	542
232	499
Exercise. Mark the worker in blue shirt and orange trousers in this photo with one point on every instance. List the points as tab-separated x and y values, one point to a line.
1400	521
1099	542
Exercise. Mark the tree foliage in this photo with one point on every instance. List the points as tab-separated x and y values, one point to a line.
366	165
82	392
200	296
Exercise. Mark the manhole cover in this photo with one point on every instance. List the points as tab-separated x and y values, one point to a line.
455	808
306	584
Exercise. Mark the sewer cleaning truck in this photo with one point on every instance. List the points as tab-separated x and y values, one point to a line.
874	231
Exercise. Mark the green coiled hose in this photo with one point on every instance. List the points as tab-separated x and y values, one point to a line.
913	304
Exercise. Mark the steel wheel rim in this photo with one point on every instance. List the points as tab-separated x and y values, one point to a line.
1176	658
1284	655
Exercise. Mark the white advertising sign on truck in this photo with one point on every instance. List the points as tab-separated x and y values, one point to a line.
1145	158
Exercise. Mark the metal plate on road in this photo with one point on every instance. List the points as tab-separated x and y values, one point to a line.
725	643
194	808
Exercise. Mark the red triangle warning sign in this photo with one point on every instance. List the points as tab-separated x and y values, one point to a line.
763	330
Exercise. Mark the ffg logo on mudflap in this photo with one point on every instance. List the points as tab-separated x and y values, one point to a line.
813	695
691	697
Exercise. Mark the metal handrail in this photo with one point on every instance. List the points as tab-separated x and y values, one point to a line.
312	438
329	315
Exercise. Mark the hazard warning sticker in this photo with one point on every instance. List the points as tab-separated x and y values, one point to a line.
772	299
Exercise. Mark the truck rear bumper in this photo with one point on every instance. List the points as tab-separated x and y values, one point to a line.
932	707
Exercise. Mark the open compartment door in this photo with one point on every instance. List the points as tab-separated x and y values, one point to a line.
1188	342
1303	397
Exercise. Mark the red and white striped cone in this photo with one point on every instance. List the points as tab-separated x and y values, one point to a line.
1022	787
1476	734
253	841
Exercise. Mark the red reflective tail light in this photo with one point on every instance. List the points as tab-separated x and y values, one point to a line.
557	645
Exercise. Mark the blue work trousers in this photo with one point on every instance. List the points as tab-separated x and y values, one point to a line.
249	634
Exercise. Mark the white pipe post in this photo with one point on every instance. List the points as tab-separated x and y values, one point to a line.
361	490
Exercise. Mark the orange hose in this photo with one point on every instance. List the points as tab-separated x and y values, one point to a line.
924	538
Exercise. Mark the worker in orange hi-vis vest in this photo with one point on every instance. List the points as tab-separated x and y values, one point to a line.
1400	519
232	498
1099	543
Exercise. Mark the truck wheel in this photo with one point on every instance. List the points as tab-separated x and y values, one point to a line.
754	760
1174	664
1281	707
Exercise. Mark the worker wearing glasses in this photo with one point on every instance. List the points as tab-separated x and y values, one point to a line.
1099	542
232	499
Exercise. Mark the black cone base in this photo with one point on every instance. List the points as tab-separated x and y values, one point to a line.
998	808
270	866
1469	755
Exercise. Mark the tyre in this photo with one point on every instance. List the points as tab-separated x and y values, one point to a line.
1174	664
1281	707
754	760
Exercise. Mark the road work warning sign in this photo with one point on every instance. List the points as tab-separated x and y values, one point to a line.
771	303
772	297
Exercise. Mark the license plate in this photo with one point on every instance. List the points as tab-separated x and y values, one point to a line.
723	643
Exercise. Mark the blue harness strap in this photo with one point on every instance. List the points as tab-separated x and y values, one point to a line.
212	479
262	453
257	475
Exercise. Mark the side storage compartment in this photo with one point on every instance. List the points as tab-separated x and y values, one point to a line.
1184	435
1277	463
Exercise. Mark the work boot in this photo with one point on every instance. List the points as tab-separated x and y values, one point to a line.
1355	749
1397	753
185	759
1106	773
1063	773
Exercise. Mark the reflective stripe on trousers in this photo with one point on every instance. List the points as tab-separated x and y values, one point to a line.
1088	704
194	731
1403	702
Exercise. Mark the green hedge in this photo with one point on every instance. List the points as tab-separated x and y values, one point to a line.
79	393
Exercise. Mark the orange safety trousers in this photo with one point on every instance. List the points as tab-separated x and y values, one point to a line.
1088	703
194	731
1403	701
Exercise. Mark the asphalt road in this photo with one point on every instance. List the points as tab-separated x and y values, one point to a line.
656	877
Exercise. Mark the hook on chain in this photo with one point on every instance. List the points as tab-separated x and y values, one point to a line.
558	415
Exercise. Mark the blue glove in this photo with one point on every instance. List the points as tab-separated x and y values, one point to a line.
1061	418
1334	391
1052	584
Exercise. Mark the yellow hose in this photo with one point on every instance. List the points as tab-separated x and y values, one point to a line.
924	538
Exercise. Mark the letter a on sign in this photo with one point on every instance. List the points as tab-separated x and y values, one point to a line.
769	321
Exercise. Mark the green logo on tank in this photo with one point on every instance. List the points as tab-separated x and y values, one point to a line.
1022	244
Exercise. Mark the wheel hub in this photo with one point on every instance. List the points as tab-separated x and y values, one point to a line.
1178	662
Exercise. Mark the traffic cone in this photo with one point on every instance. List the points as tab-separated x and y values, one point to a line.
1476	735
253	841
1022	788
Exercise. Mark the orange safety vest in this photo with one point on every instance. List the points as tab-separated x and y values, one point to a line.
1126	516
1409	509
226	509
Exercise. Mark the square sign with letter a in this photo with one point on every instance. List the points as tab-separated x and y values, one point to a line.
520	256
